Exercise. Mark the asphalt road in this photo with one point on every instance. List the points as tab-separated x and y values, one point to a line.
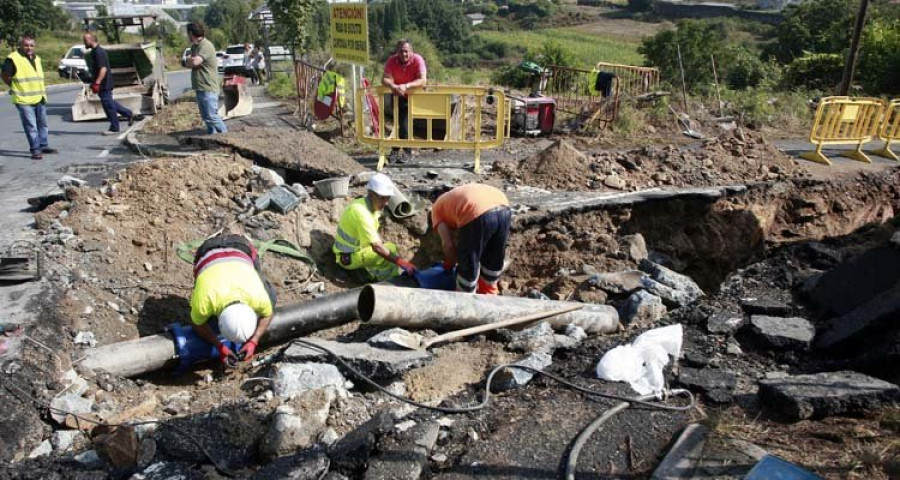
83	153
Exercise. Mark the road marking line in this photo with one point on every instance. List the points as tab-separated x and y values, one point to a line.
103	154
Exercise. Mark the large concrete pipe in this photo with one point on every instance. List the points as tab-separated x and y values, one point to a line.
440	310
181	347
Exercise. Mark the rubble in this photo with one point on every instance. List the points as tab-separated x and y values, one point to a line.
378	363
825	394
779	333
292	379
619	282
297	425
405	457
715	385
510	378
765	306
724	323
678	282
642	309
69	403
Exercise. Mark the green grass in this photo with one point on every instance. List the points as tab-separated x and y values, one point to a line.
588	49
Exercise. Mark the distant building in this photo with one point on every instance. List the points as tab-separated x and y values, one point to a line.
475	18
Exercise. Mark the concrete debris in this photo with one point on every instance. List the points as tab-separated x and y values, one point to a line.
766	306
45	448
119	447
70	181
619	282
146	452
851	328
329	436
670	278
575	332
778	333
383	339
299	424
293	379
267	177
531	339
510	378
85	339
404	457
825	394
715	385
724	323
69	403
733	348
164	471
311	464
635	246
89	459
671	297
642	309
65	440
75	385
378	363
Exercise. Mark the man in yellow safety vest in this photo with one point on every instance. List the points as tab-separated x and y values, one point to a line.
23	72
358	245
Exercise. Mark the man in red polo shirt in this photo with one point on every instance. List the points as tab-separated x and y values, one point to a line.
402	71
481	217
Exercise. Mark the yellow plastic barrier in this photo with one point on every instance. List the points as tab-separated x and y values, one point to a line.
453	118
841	121
890	130
632	80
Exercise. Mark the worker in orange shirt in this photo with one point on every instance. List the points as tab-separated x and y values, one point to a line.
481	216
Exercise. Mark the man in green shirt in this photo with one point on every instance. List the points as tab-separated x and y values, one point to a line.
205	78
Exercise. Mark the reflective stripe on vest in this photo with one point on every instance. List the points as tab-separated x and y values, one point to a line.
27	86
344	242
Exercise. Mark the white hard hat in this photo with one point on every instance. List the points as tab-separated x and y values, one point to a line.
237	322
381	184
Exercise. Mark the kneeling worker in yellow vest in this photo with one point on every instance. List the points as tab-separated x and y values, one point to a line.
358	245
229	285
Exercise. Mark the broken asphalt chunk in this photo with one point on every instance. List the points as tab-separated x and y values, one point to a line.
792	333
715	385
677	281
765	306
825	394
724	323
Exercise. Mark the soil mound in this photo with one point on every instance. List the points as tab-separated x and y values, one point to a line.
738	156
559	167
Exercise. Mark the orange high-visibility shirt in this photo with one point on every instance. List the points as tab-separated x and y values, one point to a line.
465	203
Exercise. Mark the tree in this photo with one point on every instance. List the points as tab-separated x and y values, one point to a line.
813	26
292	20
230	16
19	17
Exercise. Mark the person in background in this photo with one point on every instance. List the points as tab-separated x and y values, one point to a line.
24	74
205	78
480	217
249	71
103	85
403	71
357	243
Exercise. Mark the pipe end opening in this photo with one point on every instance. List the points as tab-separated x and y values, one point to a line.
366	303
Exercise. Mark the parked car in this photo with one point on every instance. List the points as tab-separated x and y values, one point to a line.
220	57
279	53
73	64
184	56
234	57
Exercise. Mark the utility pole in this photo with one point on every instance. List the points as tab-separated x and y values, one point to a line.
850	66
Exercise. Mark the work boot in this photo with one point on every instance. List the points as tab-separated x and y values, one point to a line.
486	288
49	150
37	156
109	133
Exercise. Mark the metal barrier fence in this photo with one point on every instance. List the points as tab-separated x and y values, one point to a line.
632	80
578	92
890	130
306	78
438	116
842	121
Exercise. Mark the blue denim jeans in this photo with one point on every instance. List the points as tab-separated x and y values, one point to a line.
34	122
113	109
208	102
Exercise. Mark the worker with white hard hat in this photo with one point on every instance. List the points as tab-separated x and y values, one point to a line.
358	245
229	285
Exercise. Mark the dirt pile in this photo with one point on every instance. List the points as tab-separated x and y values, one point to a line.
304	154
735	157
181	116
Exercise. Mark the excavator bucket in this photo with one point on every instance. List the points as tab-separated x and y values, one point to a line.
139	79
238	101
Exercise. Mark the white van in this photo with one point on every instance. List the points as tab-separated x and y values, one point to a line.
73	64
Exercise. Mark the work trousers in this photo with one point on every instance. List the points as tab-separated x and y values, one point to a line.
237	242
113	109
481	250
208	103
378	269
402	118
34	122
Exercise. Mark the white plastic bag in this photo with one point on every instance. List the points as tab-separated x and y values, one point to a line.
641	363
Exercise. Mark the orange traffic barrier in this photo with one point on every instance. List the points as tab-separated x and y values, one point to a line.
890	130
842	121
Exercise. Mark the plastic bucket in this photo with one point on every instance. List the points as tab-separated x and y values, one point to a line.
336	187
436	278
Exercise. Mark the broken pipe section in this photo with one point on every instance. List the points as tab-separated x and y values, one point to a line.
147	354
439	310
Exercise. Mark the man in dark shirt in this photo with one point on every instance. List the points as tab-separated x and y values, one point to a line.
103	85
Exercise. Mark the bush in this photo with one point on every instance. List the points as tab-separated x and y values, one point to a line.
551	53
282	86
879	62
821	71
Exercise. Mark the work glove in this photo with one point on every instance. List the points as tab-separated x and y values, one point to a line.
247	351
448	265
95	87
406	266
226	356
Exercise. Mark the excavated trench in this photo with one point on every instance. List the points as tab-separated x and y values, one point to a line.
706	238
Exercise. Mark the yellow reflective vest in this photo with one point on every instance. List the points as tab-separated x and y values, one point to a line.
27	86
332	84
358	228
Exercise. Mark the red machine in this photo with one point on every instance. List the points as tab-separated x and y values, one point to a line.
532	116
